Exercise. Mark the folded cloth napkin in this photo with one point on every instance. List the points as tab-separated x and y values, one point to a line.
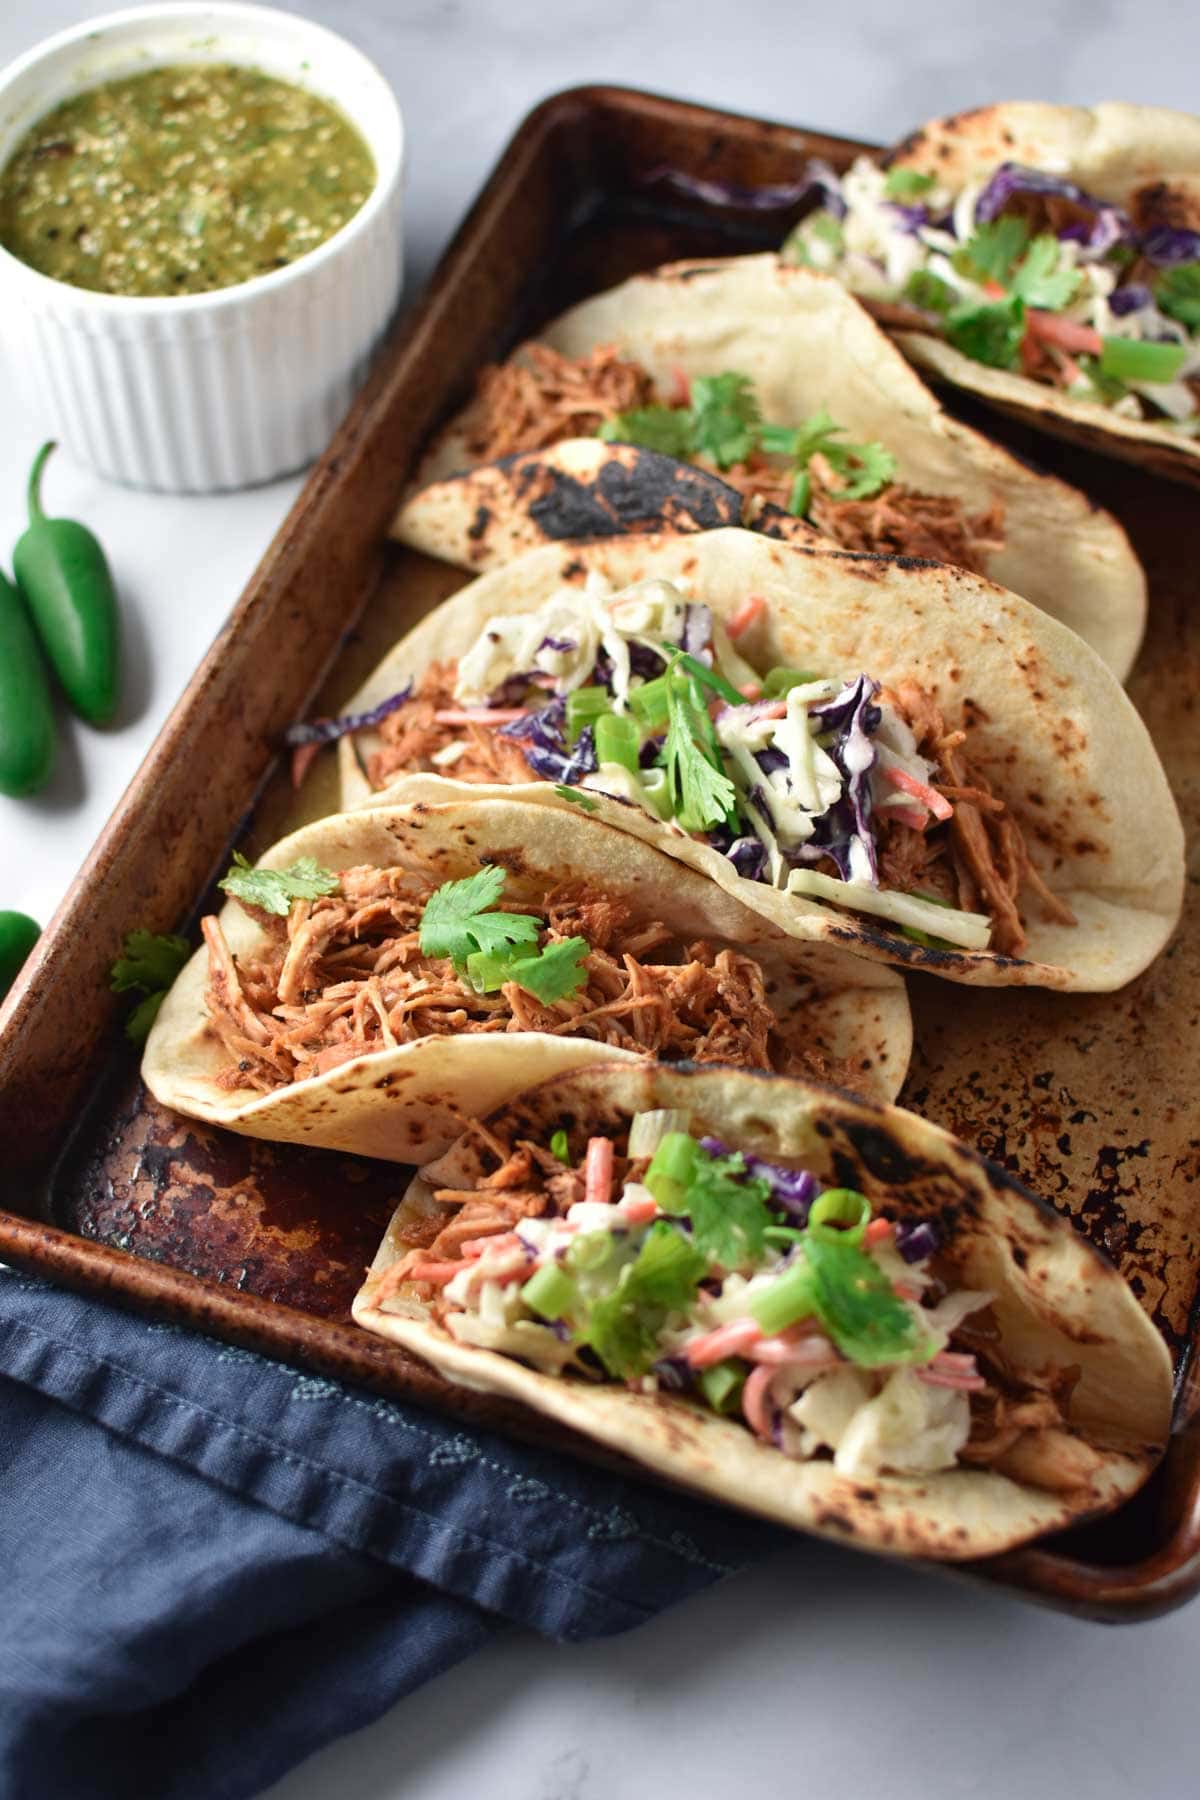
212	1563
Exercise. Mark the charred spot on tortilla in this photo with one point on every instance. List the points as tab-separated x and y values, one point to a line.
479	524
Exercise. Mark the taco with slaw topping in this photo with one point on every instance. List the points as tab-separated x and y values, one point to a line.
774	379
826	1312
908	762
381	975
1046	258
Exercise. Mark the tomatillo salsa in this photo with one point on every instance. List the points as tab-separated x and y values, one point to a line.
181	180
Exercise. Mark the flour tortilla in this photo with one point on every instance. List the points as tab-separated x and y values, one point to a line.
807	345
1057	1302
1145	159
405	1104
1057	734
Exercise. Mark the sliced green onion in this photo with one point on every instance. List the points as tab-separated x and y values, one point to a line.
671	1169
790	1299
1127	359
783	1234
590	1250
710	678
584	707
840	1213
721	1384
617	741
780	681
560	1146
650	1128
550	1292
648	702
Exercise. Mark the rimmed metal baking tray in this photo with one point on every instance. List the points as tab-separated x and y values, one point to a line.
1092	1100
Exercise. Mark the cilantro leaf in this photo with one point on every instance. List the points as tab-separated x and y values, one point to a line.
273	890
729	1211
992	250
866	467
816	243
1039	281
700	793
1178	293
456	921
554	973
929	291
725	417
576	798
855	1303
988	334
907	184
149	960
623	1327
667	429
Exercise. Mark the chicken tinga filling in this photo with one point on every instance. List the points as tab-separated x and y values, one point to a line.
846	490
826	784
1026	271
370	959
679	1266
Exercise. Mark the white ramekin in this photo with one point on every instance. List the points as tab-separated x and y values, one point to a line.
205	391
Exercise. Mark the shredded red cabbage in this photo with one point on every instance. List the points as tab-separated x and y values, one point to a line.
1129	299
855	717
792	1190
1167	245
327	731
917	1238
749	857
817	177
560	644
1109	226
697	630
912	218
543	738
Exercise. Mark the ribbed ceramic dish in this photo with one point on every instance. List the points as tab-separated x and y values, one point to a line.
1090	1099
197	392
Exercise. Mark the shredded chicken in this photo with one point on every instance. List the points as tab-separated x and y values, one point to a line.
349	977
983	845
412	738
539	397
1018	1424
898	521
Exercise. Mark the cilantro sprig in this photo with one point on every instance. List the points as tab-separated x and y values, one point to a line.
148	964
273	890
700	793
723	422
623	1327
1178	293
492	948
907	184
1001	253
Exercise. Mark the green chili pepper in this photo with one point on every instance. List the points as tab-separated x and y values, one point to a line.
27	729
62	572
18	934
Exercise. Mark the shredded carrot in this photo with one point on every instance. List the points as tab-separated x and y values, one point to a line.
598	1170
920	790
750	690
303	758
437	1272
481	715
725	1340
639	1212
507	1240
877	1230
755	1404
1064	334
744	617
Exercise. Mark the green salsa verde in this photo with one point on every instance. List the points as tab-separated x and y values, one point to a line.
181	180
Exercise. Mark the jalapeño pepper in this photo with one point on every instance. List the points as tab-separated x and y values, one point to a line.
26	713
64	576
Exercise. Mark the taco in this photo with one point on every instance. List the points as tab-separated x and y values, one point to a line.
1046	258
826	1312
908	762
773	378
382	975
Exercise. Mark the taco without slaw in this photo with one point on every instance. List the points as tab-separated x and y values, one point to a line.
777	380
825	1312
1046	258
909	762
380	976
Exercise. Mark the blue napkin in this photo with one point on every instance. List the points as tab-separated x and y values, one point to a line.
212	1564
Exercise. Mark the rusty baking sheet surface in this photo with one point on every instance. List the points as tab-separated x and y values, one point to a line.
1094	1101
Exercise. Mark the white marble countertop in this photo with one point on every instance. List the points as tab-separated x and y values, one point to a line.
824	1673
